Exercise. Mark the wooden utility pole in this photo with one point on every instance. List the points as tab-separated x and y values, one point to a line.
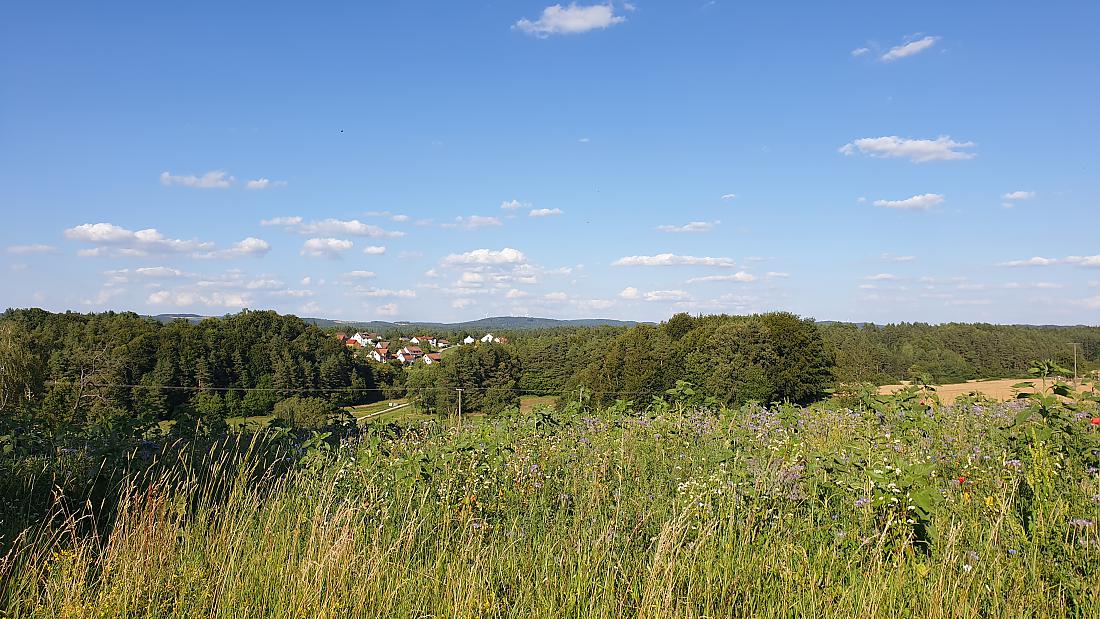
459	407
1075	345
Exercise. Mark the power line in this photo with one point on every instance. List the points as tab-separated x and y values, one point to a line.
55	383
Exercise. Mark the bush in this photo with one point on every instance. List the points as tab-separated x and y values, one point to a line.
312	413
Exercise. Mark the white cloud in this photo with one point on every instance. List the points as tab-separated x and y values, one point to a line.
360	274
159	272
485	257
1084	261
1019	195
881	277
557	296
462	303
20	250
263	183
729	196
694	226
909	49
352	227
672	260
572	19
187	298
545	212
511	205
1037	261
264	284
629	292
667	295
399	218
921	202
385	292
307	280
516	293
250	247
942	148
374	250
118	241
389	309
325	247
860	51
214	179
775	274
473	222
739	276
281	221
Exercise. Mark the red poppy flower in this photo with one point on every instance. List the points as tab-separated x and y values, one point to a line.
1095	421
962	480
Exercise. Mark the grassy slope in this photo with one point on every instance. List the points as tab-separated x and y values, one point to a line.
620	517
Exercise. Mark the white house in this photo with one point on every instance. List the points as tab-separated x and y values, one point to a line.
432	357
488	337
469	339
380	355
360	338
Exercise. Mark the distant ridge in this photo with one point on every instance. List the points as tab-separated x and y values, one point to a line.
495	323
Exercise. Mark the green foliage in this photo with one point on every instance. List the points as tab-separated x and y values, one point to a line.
315	413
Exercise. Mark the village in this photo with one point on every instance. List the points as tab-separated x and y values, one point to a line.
427	349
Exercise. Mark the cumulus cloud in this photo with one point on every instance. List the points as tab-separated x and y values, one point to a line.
942	148
909	48
511	205
1036	261
666	295
545	212
740	276
22	250
860	51
669	259
374	250
214	179
385	292
325	247
880	277
507	255
115	240
360	274
573	19
473	222
729	196
630	292
1019	195
250	247
922	202
694	226
281	221
349	227
264	183
189	298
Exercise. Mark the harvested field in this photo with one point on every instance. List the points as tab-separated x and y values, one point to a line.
996	389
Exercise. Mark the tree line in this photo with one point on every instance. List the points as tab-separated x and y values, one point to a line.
95	370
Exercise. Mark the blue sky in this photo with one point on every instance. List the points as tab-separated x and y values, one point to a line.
874	161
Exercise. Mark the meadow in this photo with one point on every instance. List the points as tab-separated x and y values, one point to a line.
892	506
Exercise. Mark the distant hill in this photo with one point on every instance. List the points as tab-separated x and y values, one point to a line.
496	323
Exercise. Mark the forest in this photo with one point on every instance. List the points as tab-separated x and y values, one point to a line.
111	371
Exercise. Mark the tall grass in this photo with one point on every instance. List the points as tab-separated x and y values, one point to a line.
683	514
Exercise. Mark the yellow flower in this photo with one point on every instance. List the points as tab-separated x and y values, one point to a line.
966	497
989	502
